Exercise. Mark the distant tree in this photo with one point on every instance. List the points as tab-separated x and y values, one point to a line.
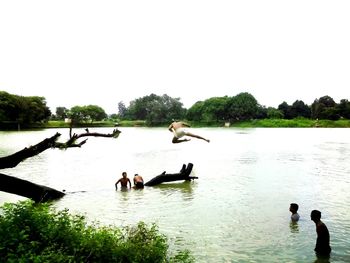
8	106
76	114
156	109
243	106
261	112
286	110
23	110
61	113
94	113
122	110
273	113
195	112
300	109
173	107
343	109
88	113
113	117
327	101
324	108
216	109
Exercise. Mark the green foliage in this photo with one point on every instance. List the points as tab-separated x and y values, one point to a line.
196	111
155	110
37	233
324	108
243	106
61	113
273	113
89	113
277	123
24	110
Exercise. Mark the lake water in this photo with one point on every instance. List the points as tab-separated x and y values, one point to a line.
238	208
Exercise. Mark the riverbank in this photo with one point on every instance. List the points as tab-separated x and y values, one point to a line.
264	123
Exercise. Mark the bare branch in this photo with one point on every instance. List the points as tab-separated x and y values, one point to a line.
13	160
40	193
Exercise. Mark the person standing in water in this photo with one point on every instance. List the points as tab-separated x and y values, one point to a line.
293	208
123	181
322	247
138	182
178	128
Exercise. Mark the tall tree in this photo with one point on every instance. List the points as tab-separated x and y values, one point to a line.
243	106
122	110
324	108
216	109
286	110
196	111
61	113
156	109
343	108
300	109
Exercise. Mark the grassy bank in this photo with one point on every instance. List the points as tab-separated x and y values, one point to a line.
264	123
294	123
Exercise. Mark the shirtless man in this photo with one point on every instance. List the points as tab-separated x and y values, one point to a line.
322	247
123	181
178	128
138	182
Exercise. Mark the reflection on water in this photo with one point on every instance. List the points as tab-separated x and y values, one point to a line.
294	227
234	212
184	188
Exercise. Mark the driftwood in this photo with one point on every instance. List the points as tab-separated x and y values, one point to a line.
184	174
40	193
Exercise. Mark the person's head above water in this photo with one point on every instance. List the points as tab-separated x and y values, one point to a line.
294	207
315	215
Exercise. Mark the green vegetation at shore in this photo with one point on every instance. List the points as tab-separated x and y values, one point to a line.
32	232
294	123
264	123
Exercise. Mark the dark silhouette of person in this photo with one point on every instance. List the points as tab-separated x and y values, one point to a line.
322	247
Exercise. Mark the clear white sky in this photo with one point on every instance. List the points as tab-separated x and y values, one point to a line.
80	52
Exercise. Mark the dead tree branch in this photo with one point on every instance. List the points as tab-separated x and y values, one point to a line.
40	193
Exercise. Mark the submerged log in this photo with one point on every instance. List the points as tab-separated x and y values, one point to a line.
184	174
37	192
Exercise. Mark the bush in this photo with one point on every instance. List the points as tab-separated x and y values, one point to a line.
32	232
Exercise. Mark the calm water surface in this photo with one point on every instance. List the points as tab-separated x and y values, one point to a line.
238	209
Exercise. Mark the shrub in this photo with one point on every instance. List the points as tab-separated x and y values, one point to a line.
32	232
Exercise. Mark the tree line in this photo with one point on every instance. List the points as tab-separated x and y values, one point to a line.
158	110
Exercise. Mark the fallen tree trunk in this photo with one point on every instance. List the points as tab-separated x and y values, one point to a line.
39	193
184	174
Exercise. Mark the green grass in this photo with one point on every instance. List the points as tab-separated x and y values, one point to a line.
37	233
294	123
264	123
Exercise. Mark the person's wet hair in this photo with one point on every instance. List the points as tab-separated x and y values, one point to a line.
316	214
294	206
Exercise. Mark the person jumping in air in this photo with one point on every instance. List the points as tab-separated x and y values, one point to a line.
178	128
